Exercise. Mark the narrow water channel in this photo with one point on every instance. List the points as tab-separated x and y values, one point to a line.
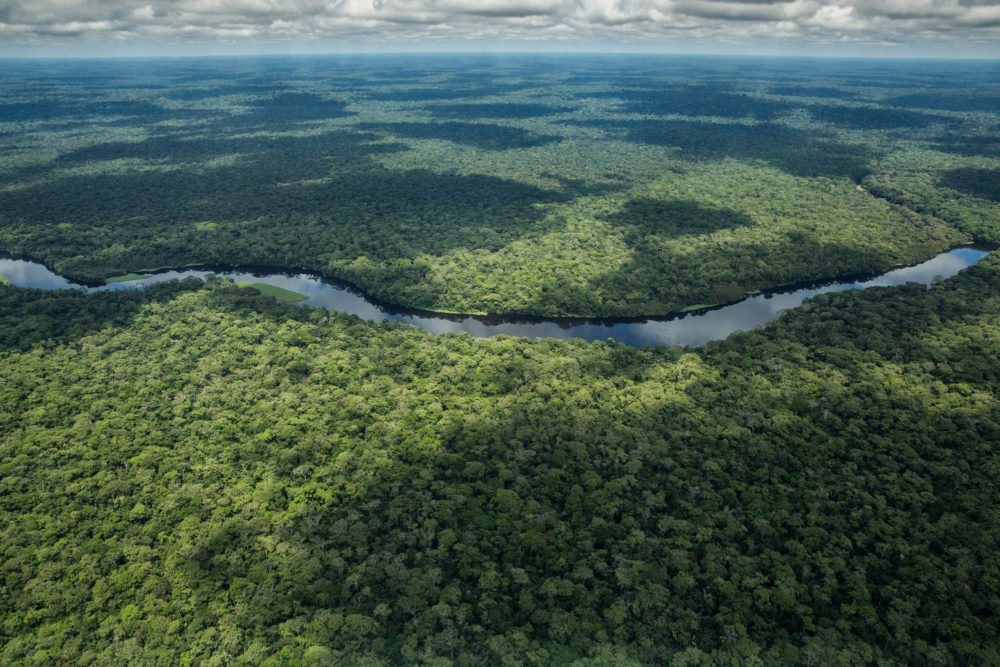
692	329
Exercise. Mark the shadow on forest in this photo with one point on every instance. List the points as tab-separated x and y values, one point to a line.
673	218
556	470
275	110
863	118
710	101
134	110
498	110
522	462
985	146
282	158
30	317
812	91
287	108
715	274
478	135
954	102
983	183
797	152
694	101
192	94
618	80
444	93
284	200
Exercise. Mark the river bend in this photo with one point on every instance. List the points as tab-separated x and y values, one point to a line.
691	329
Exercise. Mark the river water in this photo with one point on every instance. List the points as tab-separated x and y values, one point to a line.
692	329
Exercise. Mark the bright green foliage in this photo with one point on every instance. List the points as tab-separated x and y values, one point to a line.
544	185
194	474
279	293
962	192
201	474
126	277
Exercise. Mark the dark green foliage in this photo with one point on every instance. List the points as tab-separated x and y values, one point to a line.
866	118
215	476
57	109
798	152
682	100
952	102
499	110
34	317
438	93
987	146
495	183
220	91
811	91
200	474
478	135
291	108
273	178
966	197
38	110
983	183
674	218
286	157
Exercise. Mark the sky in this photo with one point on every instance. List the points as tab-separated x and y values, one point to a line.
887	28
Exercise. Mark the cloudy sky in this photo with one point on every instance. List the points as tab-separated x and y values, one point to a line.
959	28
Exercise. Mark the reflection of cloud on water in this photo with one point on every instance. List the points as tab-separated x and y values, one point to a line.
692	330
31	274
751	313
945	265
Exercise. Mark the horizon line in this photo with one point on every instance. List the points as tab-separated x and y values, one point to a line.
502	53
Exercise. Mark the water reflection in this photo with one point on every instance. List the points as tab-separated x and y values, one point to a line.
31	274
692	329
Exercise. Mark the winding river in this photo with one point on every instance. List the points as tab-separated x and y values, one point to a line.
692	329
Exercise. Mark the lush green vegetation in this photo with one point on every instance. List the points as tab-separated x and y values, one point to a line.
127	277
203	475
278	293
554	186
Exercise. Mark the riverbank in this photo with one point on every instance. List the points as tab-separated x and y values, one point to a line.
693	328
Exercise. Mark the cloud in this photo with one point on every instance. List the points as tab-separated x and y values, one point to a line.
982	17
746	11
501	8
481	22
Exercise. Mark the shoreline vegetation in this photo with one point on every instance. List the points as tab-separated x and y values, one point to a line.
126	277
146	273
286	295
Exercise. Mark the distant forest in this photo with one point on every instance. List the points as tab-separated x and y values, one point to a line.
550	186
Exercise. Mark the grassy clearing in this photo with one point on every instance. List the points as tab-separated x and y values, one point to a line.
278	293
127	277
169	268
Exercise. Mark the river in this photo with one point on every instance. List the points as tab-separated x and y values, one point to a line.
691	329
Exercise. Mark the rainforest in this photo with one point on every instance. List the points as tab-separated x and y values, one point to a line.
202	471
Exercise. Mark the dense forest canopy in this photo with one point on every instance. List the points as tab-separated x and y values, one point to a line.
203	475
199	473
545	185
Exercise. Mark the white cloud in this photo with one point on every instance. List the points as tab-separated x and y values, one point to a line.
982	17
746	11
477	23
